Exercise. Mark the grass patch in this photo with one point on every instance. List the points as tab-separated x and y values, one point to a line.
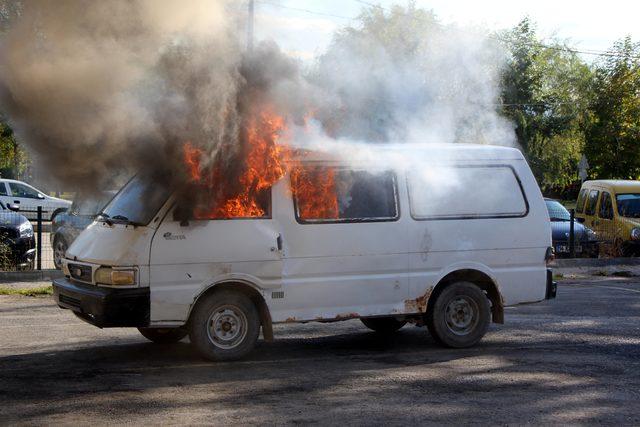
28	292
558	276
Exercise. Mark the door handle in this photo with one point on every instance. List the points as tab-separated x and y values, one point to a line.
16	201
278	246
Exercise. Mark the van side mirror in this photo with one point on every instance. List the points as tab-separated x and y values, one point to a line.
40	196
182	214
13	207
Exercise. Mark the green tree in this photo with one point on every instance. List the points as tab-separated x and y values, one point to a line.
613	138
13	159
546	94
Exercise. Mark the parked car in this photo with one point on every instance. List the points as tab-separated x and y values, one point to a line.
28	198
445	239
585	240
66	225
612	209
17	242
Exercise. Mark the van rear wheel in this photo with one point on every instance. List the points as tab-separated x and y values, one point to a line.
224	326
163	335
383	325
460	315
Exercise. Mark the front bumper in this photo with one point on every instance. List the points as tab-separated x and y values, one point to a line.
103	307
552	287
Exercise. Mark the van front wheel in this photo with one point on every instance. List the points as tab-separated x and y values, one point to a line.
460	315
224	326
163	335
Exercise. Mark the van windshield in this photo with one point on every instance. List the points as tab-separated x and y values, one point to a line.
137	202
628	205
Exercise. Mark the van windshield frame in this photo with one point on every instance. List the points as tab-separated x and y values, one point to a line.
137	202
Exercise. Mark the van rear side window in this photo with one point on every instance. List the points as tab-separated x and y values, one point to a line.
580	202
329	195
466	192
592	201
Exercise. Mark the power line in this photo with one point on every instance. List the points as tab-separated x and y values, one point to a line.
594	52
311	12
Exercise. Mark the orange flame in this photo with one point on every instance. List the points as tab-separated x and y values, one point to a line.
315	192
263	166
264	163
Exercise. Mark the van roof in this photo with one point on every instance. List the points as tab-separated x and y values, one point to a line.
362	152
617	185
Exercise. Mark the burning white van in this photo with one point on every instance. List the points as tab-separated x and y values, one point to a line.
447	241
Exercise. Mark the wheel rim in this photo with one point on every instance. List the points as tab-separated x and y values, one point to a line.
227	327
461	315
58	252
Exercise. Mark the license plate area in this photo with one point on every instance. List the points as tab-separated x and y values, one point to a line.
564	249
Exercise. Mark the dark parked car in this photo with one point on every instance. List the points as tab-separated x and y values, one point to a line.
67	225
586	242
17	242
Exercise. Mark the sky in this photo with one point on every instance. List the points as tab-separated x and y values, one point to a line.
583	24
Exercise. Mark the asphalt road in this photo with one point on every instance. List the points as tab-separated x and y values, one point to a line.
575	359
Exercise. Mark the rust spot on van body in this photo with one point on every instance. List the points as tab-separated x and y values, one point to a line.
418	305
347	316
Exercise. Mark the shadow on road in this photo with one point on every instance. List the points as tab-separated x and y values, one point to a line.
555	362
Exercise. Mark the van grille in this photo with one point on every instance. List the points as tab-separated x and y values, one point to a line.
80	272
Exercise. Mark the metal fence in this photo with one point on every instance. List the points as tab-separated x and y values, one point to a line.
25	244
591	234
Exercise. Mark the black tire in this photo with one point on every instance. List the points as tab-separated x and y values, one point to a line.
60	246
459	316
383	325
163	335
56	212
224	326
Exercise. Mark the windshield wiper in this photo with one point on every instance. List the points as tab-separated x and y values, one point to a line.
125	219
106	218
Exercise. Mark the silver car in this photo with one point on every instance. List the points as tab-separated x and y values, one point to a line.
67	225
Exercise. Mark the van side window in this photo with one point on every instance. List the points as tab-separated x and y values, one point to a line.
606	207
592	201
580	202
210	204
326	195
3	189
465	192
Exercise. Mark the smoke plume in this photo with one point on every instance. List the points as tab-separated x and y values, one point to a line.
96	89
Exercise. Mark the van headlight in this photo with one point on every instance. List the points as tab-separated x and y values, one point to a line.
635	234
26	229
109	276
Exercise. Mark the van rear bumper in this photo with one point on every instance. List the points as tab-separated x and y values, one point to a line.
552	287
103	307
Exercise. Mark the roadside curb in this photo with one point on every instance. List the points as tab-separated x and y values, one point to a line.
29	276
594	262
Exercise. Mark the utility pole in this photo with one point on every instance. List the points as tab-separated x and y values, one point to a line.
250	27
